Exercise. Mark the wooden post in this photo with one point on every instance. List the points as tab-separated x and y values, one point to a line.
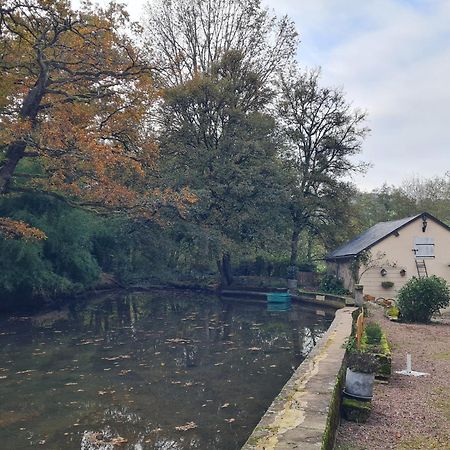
359	329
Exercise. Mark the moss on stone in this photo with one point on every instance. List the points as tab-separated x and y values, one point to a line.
356	410
329	435
383	354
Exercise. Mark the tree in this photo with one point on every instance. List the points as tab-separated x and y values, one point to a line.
189	37
220	144
322	133
74	98
429	194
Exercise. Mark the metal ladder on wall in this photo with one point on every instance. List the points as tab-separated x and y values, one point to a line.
421	268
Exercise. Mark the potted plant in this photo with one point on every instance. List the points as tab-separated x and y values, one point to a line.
292	273
360	375
387	284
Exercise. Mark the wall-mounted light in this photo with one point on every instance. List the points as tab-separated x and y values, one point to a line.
383	272
403	272
424	222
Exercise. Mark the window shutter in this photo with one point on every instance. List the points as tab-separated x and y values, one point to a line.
424	247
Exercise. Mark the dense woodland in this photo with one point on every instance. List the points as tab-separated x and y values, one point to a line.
185	149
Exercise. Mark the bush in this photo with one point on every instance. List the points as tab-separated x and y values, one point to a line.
333	285
420	298
373	333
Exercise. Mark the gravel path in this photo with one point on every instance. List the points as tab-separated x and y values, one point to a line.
408	412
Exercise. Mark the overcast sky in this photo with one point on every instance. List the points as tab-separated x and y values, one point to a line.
392	58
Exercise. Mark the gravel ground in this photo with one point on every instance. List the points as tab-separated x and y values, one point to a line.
408	412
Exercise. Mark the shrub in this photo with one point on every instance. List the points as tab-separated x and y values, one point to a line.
333	285
373	333
420	298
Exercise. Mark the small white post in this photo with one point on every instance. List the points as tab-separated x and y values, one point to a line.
408	363
409	370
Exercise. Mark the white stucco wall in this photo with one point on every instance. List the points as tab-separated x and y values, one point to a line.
398	250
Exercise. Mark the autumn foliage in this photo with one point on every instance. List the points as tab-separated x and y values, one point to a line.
75	95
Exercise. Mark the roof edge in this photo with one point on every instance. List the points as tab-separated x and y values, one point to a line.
412	219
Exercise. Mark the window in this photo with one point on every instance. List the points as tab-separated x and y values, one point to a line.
424	247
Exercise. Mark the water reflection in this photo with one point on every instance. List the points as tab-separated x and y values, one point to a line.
147	371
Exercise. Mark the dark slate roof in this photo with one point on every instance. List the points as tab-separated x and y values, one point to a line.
370	237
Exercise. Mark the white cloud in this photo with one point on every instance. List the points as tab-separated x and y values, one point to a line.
393	59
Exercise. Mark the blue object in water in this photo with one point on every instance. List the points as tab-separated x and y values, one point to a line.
279	297
279	307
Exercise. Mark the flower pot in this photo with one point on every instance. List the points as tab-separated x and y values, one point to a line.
359	385
292	284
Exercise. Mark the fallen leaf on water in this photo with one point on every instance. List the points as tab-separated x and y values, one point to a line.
255	349
230	420
106	392
70	384
187	426
178	341
118	441
24	372
225	405
117	358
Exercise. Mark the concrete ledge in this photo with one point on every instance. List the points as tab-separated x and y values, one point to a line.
303	415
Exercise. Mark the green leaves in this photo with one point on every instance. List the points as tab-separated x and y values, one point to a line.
420	298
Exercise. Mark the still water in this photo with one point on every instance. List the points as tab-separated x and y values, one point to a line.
160	370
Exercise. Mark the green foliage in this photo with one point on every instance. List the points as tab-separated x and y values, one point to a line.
332	284
373	333
387	284
420	298
363	362
219	141
61	264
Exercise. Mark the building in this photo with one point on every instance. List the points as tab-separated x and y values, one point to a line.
386	256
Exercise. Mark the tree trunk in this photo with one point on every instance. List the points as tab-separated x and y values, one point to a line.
294	246
29	110
224	266
309	248
14	154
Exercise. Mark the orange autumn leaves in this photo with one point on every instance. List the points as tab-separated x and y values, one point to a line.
16	229
77	94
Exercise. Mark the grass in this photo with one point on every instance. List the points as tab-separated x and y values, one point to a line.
442	401
423	442
442	356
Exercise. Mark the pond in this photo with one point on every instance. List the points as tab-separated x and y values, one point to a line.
160	370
